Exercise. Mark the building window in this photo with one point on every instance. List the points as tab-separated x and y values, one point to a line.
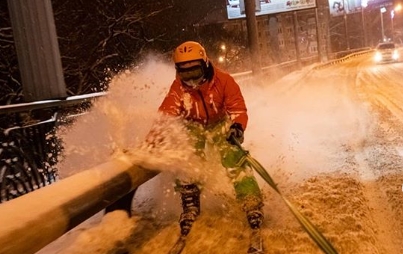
313	49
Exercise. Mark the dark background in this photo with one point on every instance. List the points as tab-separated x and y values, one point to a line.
99	38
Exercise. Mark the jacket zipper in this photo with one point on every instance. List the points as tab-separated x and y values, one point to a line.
204	106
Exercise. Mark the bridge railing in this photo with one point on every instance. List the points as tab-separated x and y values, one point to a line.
29	151
27	160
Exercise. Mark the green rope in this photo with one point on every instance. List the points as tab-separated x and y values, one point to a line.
313	232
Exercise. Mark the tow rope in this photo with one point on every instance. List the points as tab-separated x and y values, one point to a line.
313	232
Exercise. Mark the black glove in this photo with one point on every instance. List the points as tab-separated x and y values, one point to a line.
235	131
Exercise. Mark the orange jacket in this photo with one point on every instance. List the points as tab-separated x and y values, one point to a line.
208	105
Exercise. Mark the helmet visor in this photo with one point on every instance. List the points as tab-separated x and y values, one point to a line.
194	72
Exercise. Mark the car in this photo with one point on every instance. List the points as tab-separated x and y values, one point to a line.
233	3
386	52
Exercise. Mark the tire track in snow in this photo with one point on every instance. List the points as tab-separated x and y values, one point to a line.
380	158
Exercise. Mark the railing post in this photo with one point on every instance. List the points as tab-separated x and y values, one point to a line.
37	48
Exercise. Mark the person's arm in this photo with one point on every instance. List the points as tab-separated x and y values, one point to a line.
171	105
235	103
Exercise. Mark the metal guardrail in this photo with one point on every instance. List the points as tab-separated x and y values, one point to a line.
73	100
31	222
344	58
272	70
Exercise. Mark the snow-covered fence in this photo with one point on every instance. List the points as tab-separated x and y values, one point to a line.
32	221
345	58
28	145
72	100
277	70
28	156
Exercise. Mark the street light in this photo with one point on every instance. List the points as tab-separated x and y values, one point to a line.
392	15
345	24
382	10
364	4
223	58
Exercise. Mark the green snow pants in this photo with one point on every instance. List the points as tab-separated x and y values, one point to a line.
246	187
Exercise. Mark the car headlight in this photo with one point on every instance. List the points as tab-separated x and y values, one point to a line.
378	56
395	55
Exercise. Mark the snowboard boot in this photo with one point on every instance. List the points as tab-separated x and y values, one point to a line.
190	195
252	205
255	218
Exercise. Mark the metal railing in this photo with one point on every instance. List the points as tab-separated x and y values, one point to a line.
272	70
345	57
27	160
29	152
32	221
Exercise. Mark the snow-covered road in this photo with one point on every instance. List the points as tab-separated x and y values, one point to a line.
332	139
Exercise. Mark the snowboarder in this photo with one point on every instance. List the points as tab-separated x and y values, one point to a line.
209	101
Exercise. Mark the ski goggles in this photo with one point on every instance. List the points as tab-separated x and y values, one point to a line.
194	72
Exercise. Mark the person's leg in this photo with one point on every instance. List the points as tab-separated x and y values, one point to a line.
248	192
190	198
189	191
246	187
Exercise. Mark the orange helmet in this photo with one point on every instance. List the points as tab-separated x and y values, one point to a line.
189	51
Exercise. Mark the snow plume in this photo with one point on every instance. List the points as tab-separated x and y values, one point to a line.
168	147
301	124
124	119
118	121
